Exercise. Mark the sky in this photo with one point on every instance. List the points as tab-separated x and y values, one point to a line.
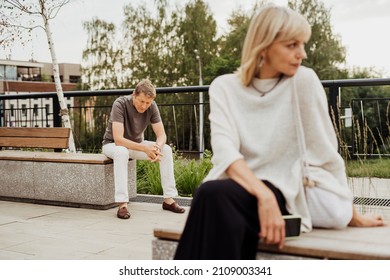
361	24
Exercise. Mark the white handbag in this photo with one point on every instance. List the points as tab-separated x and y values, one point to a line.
306	180
327	209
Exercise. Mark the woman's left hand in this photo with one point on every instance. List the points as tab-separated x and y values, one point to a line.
272	224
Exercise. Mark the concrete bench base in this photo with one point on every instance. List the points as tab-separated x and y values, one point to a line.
165	250
77	180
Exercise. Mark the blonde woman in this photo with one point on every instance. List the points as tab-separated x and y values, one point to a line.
257	170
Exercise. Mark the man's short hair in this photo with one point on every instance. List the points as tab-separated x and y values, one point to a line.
146	87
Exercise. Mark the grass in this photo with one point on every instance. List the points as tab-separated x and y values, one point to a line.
366	143
189	173
148	178
369	168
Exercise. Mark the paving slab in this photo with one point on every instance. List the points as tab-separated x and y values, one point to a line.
43	232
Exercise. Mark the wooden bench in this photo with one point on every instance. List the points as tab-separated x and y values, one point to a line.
350	243
67	179
22	137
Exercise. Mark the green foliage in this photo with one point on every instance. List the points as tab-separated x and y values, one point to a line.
369	134
148	178
100	57
159	42
159	45
189	173
198	31
222	65
231	46
379	168
231	43
151	47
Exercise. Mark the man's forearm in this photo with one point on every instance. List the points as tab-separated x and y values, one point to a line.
161	140
130	144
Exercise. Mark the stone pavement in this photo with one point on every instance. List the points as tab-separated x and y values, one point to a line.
42	232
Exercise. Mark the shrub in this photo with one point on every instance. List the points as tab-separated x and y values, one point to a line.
189	173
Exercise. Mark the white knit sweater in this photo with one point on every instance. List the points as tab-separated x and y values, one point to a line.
261	130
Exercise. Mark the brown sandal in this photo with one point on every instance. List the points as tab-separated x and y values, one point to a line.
123	213
174	207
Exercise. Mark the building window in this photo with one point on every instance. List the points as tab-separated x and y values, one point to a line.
12	108
10	73
35	110
74	79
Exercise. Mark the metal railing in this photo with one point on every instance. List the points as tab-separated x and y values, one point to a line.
183	134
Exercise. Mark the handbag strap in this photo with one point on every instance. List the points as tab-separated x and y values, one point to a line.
307	182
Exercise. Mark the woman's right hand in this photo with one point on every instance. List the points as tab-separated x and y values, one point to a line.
272	224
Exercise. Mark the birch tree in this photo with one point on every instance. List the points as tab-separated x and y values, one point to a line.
18	16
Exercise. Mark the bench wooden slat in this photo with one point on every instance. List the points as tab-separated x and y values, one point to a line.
350	243
169	234
35	132
23	137
27	142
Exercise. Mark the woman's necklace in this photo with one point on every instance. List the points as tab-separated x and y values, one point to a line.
262	93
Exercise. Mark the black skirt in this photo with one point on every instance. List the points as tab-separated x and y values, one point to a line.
223	223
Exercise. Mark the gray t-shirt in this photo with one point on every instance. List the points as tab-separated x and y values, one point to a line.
123	111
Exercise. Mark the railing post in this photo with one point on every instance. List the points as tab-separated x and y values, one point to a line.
2	114
57	122
334	91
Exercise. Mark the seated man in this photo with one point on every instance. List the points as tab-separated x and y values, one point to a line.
124	139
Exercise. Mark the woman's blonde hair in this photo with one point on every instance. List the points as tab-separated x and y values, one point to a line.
270	24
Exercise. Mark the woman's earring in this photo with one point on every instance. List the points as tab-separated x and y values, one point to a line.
261	63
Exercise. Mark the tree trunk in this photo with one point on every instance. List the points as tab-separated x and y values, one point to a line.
56	73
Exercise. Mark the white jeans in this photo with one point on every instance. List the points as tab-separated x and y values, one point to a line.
121	155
